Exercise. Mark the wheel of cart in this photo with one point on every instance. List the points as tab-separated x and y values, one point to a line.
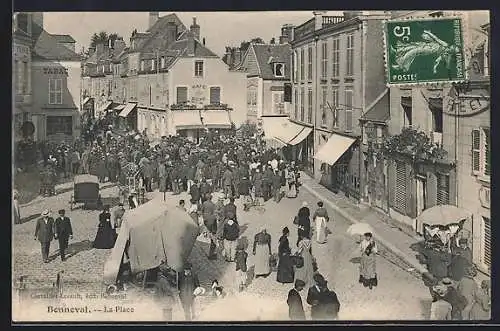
86	191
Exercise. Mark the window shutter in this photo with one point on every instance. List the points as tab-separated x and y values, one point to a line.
400	192
476	151
214	95
181	94
391	182
431	190
443	189
487	242
348	120
410	201
486	153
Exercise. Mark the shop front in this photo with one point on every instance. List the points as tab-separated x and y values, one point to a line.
128	117
195	124
339	157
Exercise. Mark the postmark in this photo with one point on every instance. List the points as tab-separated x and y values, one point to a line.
422	51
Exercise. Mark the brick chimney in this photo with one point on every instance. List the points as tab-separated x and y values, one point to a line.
227	56
153	17
286	33
37	18
195	29
191	44
318	19
171	32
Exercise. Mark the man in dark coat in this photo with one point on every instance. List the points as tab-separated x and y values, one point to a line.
44	232
205	190
195	192
458	302
244	191
461	260
277	186
294	301
314	296
230	210
188	282
227	182
208	209
303	222
63	232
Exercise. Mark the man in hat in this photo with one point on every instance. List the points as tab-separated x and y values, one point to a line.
118	217
230	210
187	283
461	260
44	232
294	301
63	232
440	308
314	296
457	301
210	220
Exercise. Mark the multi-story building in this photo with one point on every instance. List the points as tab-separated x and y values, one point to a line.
168	82
338	75
55	74
21	73
267	67
456	119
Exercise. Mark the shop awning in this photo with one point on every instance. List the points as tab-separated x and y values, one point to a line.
128	109
192	119
273	127
105	106
119	107
300	136
216	120
333	149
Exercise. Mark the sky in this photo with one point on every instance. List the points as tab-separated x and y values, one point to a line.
220	29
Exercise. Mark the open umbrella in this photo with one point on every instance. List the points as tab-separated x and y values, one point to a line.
359	229
443	215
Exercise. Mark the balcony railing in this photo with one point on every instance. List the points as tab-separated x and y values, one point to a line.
190	106
330	20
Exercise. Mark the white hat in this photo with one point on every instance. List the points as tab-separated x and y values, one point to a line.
199	291
45	212
304	204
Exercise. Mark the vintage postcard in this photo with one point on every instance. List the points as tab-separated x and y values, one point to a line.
305	165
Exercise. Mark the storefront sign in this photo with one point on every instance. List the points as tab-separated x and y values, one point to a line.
469	104
55	71
199	94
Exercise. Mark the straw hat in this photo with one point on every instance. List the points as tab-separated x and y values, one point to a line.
199	291
440	290
45	212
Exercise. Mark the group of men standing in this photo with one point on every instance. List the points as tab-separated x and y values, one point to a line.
47	230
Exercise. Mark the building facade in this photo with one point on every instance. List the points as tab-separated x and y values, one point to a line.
456	121
338	74
168	82
21	75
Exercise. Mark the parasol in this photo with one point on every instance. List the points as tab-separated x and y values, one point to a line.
443	215
359	229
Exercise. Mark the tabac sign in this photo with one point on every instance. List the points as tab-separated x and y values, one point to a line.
424	51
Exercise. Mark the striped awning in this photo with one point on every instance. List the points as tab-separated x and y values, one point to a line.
128	109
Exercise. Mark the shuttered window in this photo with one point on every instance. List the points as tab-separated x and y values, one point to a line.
310	63
400	191
310	105
476	151
348	110
481	154
443	189
182	94
302	101
214	95
487	154
296	103
487	242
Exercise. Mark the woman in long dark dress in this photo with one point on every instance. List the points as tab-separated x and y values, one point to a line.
105	237
285	272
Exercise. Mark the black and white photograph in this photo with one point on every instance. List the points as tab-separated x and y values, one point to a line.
251	166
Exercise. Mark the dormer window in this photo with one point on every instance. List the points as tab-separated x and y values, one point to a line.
163	62
142	65
279	69
152	64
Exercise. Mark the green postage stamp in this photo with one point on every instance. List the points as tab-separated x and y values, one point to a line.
424	51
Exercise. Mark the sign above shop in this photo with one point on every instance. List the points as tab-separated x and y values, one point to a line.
471	104
198	94
55	71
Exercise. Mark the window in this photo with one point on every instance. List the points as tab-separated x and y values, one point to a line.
335	105
348	110
436	107
55	91
59	124
486	244
279	70
481	154
215	95
278	106
324	60
182	96
302	97
400	191
350	55
198	68
443	189
142	65
296	103
310	105
295	65
252	97
406	104
302	58
324	106
336	57
153	65
310	63
163	62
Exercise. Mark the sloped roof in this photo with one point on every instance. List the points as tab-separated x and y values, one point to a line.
47	47
64	38
156	36
278	53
